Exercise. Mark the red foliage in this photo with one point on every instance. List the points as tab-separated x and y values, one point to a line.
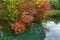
34	9
25	5
18	28
41	11
27	19
29	11
45	6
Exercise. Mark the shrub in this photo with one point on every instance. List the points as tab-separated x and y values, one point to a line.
19	14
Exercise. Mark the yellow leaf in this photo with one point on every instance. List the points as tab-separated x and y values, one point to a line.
40	2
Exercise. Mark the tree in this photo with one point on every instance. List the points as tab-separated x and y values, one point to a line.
55	4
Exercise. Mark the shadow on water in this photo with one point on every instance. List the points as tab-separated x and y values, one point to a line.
35	32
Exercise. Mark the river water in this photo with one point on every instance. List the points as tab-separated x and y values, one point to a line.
53	30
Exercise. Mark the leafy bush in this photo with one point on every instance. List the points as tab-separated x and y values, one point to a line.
55	4
18	15
53	15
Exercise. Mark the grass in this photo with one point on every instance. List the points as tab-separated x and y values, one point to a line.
52	15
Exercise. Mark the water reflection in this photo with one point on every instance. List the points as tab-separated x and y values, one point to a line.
53	32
